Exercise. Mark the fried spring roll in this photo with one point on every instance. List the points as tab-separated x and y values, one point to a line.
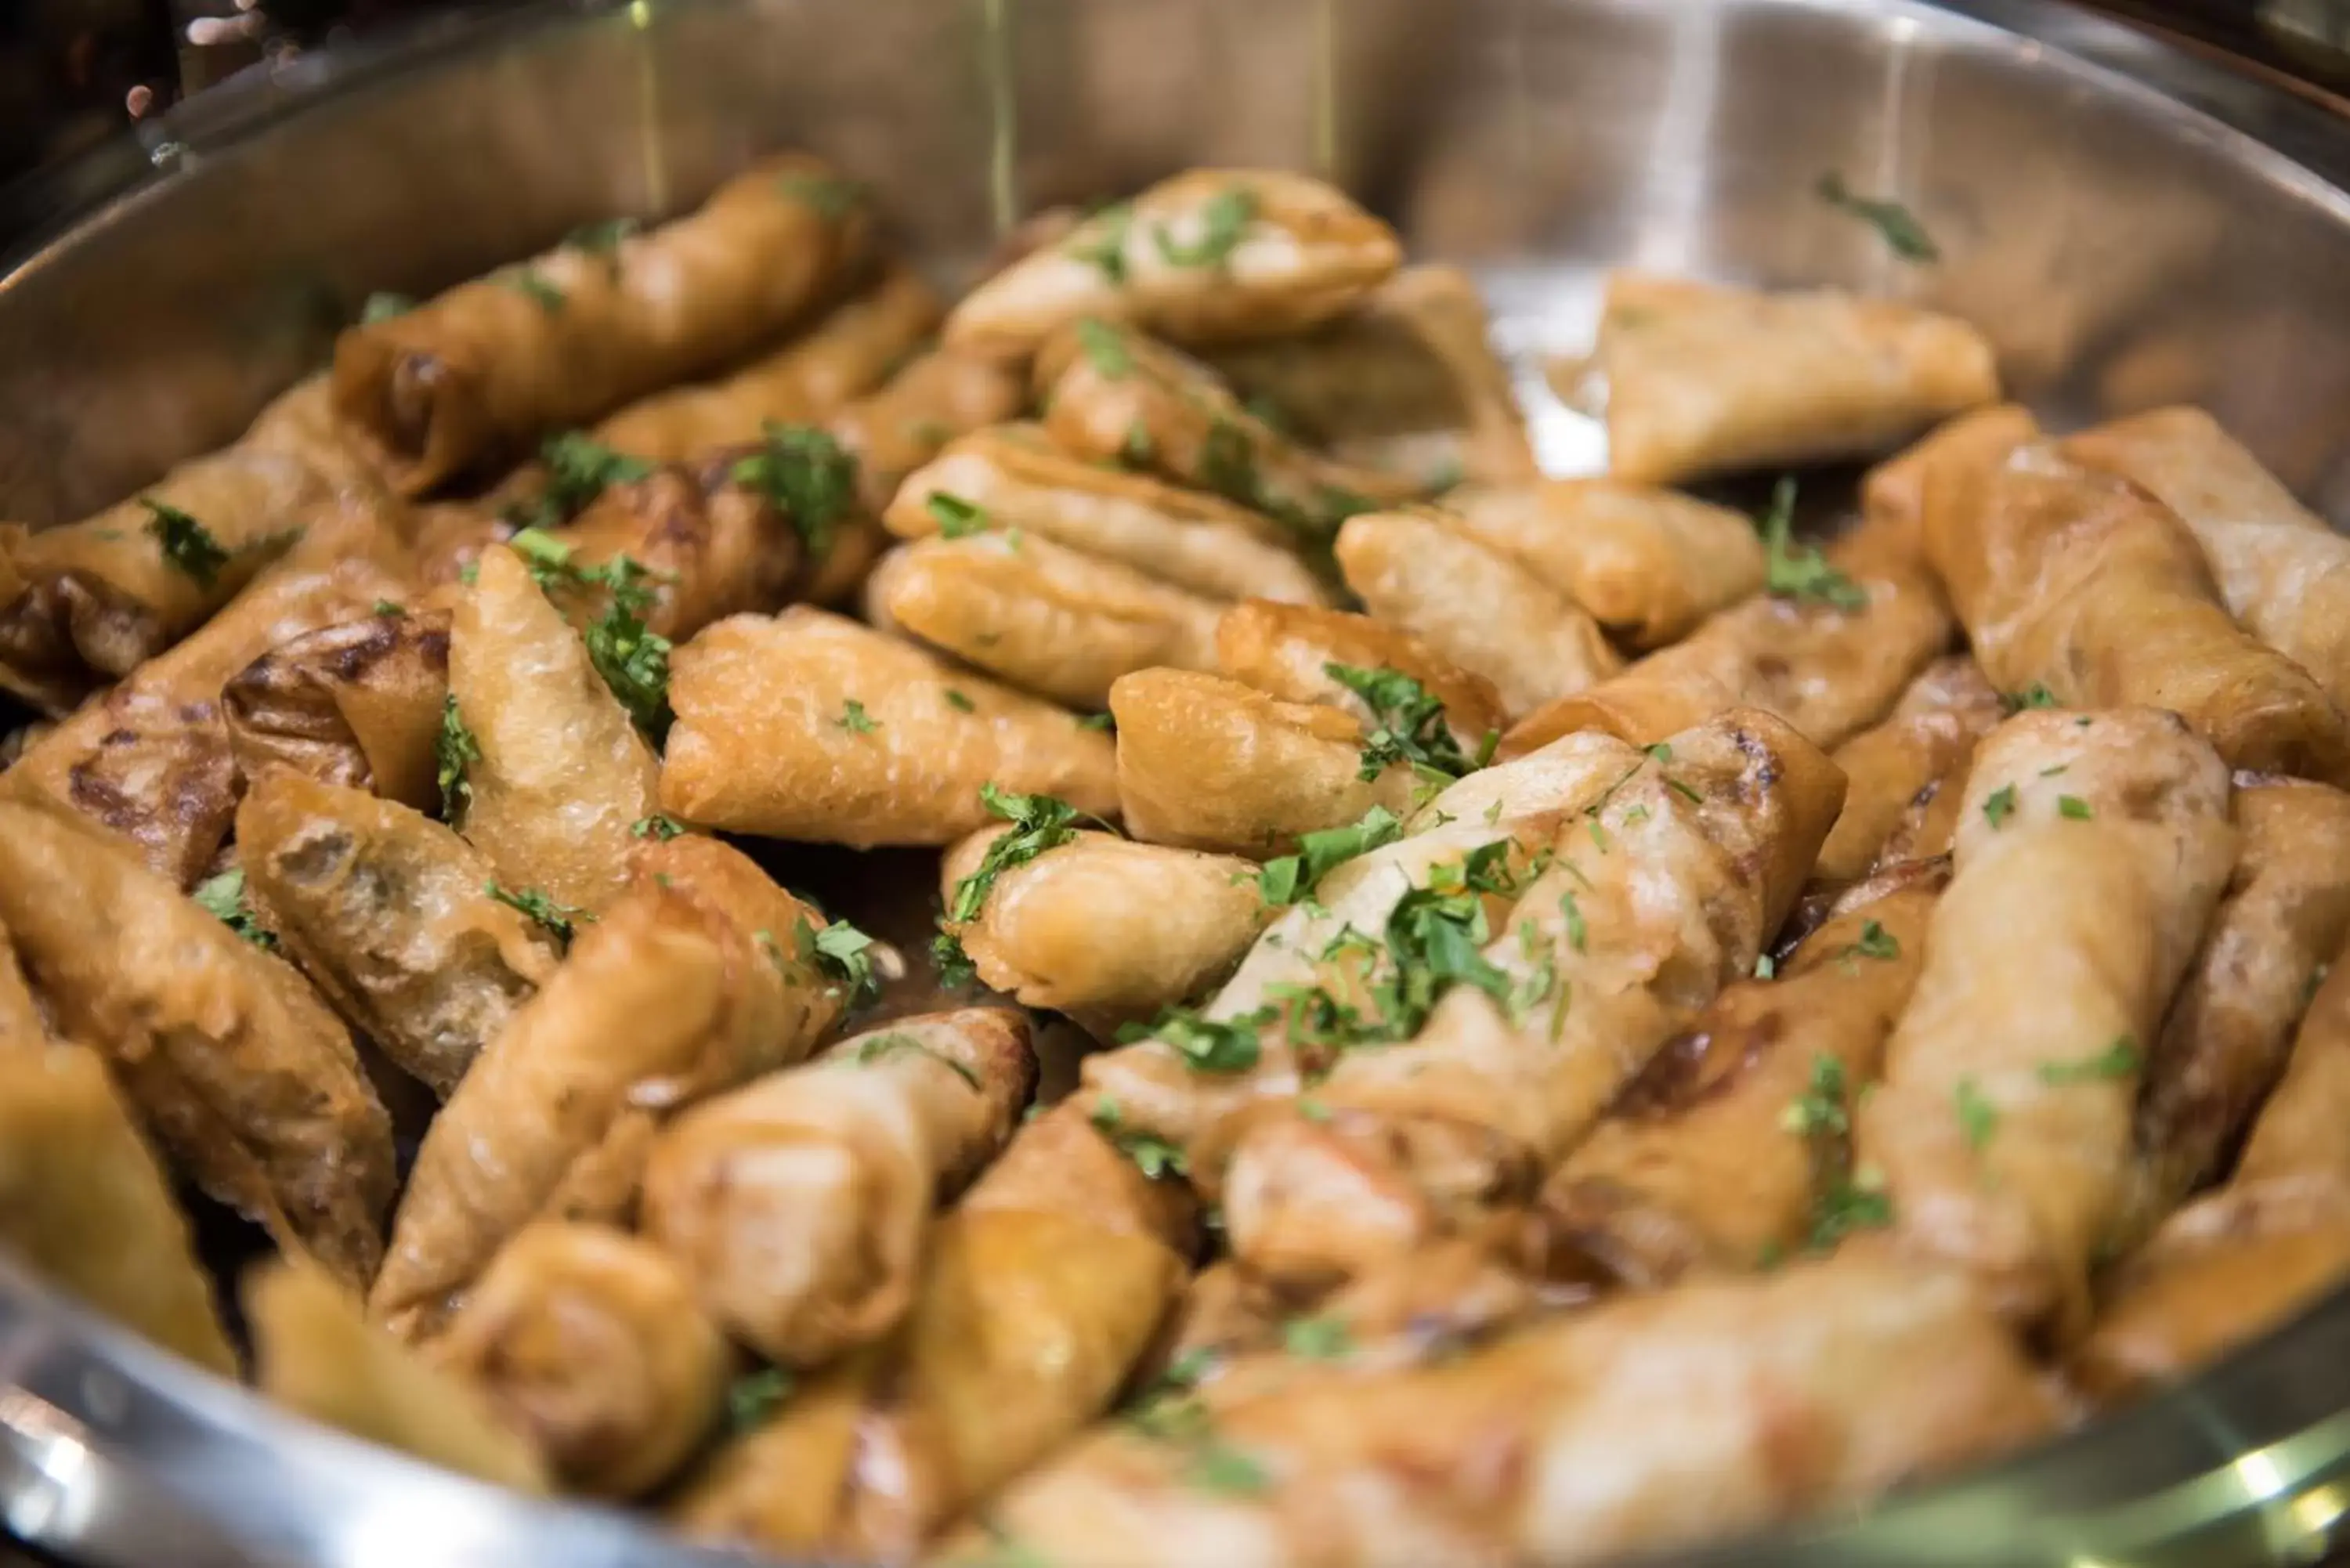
83	1203
810	726
1708	379
1931	734
1211	256
799	1204
702	961
558	773
1647	1423
588	1341
1695	1169
235	1067
318	1357
493	365
2083	583
356	704
1041	1290
1046	619
1020	480
1611	950
1286	651
390	914
2279	569
1648	564
712	548
1476	606
2091	850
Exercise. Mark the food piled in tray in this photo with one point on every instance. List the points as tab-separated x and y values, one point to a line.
1609	1022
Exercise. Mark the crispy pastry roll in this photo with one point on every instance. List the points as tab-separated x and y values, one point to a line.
1047	620
1017	479
2083	583
712	547
810	726
798	1205
588	1340
1931	734
1648	564
1204	762
1479	608
1829	671
1104	929
2091	850
1286	651
1211	256
1613	948
83	1203
1696	1169
390	916
233	1064
1646	1423
557	772
492	365
356	704
1707	380
1042	1289
1117	395
703	959
316	1357
2279	569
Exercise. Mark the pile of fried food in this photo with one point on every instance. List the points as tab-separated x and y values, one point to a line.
1618	1025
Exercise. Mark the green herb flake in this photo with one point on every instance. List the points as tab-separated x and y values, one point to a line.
805	474
1406	725
956	971
188	546
1318	1338
1105	348
385	306
831	197
1876	942
1138	450
455	749
632	658
855	719
1578	935
2035	695
1100	241
1039	823
957	518
881	1047
2117	1061
1103	723
603	239
1977	1117
1999	805
755	1395
1206	1045
1291	876
1156	1158
385	606
1222	1469
2072	806
958	701
557	917
1794	570
1312	1109
1903	233
535	288
222	897
659	825
579	468
1225	218
841	952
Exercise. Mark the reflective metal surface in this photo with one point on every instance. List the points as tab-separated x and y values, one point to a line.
2121	249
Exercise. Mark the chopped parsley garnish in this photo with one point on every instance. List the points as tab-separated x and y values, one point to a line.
2117	1061
1316	1338
956	971
1843	1201
383	306
627	652
1138	450
603	239
558	918
455	749
842	952
1107	723
1040	822
223	896
1101	243
1977	1117
1904	235
1228	463
1104	349
1225	218
385	606
956	518
1220	1468
1999	805
806	475
1578	935
830	196
578	468
1447	474
855	719
1876	942
1792	570
1408	725
1292	876
659	825
958	701
535	288
2035	695
187	545
1206	1045
881	1047
2072	806
754	1396
1155	1157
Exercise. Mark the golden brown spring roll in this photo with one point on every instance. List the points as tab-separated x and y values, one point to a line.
1286	651
84	1205
1703	378
1931	734
390	916
493	365
2091	850
1041	618
1017	479
1695	1169
557	775
1104	929
798	1206
711	547
703	961
1042	1289
231	1062
810	726
1648	564
356	704
1211	256
1477	606
1611	950
2077	581
1647	1423
316	1357
588	1341
2279	569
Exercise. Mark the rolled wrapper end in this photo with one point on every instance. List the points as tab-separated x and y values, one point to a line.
417	418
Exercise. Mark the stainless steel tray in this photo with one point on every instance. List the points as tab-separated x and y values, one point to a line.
2123	247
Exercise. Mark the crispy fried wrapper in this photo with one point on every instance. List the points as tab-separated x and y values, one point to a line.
1047	620
390	916
2091	851
1648	564
588	1341
560	774
1018	479
318	1357
712	548
798	1206
492	365
1211	256
695	979
1476	606
1703	378
356	704
1647	1423
231	1062
1929	735
1286	651
1041	1290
